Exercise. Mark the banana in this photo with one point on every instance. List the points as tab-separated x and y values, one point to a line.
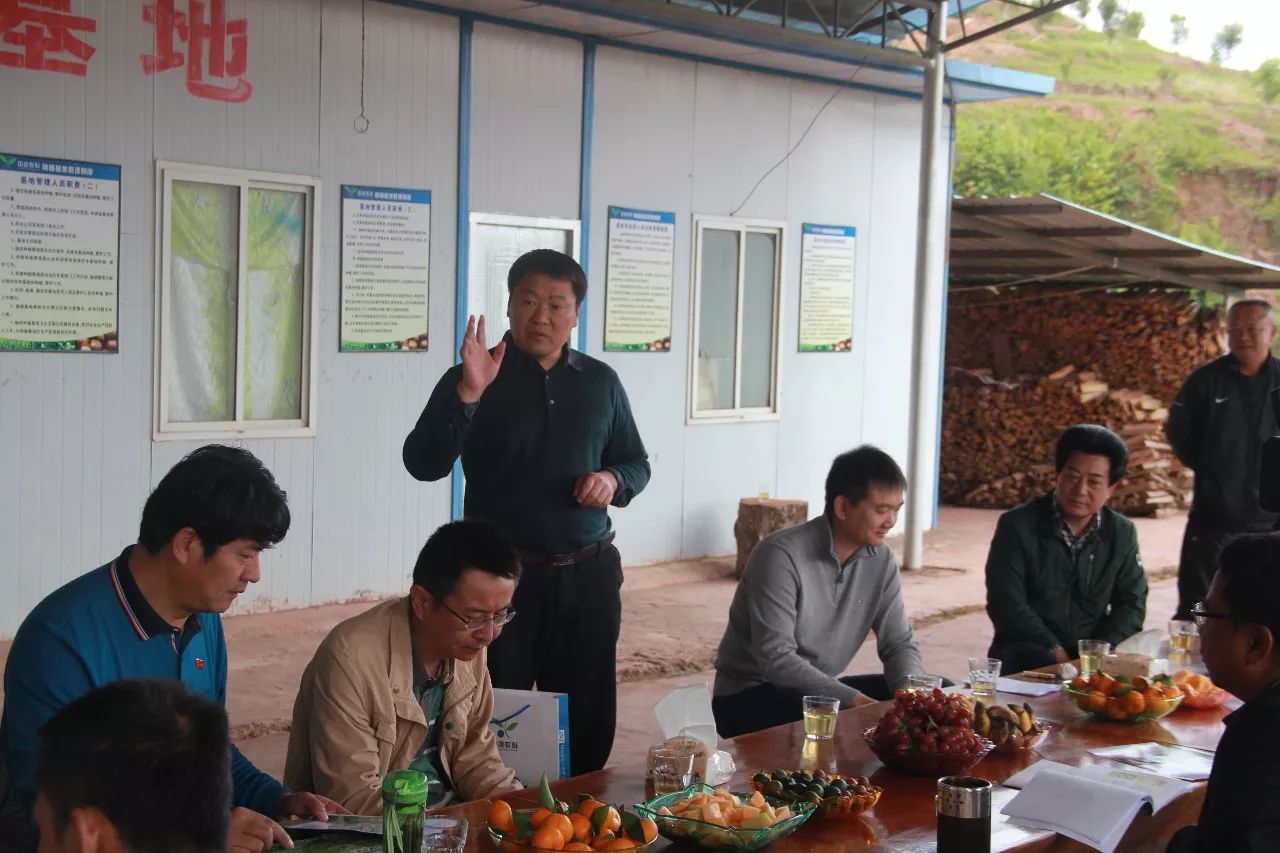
981	722
1000	712
1028	719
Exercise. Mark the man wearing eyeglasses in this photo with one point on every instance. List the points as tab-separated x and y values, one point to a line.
1218	424
1240	642
404	684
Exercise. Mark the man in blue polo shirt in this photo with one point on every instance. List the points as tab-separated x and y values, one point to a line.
153	613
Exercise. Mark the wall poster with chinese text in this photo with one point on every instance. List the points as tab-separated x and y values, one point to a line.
59	255
386	249
826	288
639	279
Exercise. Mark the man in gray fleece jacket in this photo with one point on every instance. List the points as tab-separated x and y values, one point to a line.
807	600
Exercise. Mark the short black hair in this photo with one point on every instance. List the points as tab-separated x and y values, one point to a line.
223	494
550	263
1250	569
853	473
153	757
462	545
1095	440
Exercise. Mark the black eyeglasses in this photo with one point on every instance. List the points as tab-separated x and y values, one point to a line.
477	623
1200	615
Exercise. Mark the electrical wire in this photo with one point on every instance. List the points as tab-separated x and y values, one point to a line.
840	88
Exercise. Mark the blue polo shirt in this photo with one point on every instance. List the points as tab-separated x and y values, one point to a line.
95	630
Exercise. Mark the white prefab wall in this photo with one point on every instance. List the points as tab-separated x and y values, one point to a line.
77	458
695	138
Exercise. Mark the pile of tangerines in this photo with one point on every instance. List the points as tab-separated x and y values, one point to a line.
1125	698
589	826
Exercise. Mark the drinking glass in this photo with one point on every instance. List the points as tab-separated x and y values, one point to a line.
1091	654
444	834
820	717
983	673
926	683
670	769
1182	636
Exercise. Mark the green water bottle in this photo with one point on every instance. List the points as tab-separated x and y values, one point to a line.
404	805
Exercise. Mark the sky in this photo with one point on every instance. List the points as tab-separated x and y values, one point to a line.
1261	20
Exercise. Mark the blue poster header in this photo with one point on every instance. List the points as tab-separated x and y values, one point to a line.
63	168
386	194
831	230
656	216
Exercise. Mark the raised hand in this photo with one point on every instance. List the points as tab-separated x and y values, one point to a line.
479	366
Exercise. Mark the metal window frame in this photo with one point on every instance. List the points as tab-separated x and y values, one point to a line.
738	413
545	223
305	427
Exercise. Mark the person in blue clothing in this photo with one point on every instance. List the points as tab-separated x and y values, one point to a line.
153	613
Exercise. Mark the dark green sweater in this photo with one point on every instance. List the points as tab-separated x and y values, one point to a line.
1038	593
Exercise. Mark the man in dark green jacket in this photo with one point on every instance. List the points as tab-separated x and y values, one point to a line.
1064	567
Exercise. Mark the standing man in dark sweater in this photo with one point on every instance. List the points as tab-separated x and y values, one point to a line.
1240	643
1217	425
548	444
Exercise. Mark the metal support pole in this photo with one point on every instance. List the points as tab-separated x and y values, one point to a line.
931	244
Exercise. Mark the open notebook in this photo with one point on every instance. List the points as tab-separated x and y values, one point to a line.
1094	805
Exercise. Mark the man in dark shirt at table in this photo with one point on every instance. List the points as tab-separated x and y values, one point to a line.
1240	643
548	443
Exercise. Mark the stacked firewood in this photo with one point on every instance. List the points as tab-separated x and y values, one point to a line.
1005	408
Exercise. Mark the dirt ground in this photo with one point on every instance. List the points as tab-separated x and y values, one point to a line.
673	618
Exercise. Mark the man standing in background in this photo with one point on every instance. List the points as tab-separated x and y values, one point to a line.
1217	425
548	443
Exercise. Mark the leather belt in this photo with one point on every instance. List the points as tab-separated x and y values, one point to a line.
538	558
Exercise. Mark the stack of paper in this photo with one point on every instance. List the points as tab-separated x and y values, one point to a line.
1094	805
1180	762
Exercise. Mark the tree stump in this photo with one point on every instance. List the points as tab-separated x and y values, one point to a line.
758	518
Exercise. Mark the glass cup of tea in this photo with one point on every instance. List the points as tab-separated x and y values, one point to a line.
918	681
983	673
1182	636
820	717
1091	654
670	769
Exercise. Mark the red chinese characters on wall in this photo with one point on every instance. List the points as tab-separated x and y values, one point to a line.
45	33
216	49
196	35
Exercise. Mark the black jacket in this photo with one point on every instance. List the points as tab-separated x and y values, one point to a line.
1217	426
1037	592
1241	812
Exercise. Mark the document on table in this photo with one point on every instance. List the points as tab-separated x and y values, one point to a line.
1093	805
1180	762
1024	688
338	823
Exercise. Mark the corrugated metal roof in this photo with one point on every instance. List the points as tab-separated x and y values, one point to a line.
1042	238
743	41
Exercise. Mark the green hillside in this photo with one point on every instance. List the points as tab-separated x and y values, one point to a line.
1169	142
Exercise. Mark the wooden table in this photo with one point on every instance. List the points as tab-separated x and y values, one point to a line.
904	819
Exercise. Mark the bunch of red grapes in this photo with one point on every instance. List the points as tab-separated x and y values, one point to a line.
928	723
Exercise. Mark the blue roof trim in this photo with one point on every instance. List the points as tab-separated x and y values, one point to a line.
1002	79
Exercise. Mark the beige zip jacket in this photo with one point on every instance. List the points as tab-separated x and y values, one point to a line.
356	717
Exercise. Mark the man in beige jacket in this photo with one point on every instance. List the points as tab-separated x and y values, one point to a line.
404	685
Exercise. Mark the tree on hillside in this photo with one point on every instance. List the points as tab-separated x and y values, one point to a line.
1267	79
1110	12
1132	23
1226	41
1082	8
1179	28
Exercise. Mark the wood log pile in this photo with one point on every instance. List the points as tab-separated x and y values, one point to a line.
1005	408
